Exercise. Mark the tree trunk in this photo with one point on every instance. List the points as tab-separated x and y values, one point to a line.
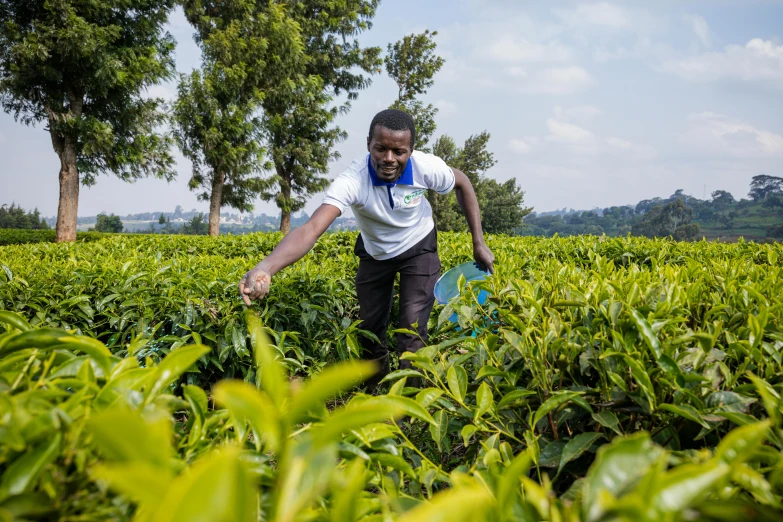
218	179
65	146
68	207
285	209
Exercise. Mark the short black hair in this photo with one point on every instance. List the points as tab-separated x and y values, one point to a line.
394	119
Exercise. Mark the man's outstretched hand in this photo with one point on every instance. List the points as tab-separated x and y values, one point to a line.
254	285
484	257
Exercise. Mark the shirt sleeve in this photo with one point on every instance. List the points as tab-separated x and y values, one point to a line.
343	192
438	176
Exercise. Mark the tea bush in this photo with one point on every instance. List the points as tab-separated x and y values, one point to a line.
604	379
88	436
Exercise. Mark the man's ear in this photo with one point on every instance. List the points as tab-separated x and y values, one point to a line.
368	143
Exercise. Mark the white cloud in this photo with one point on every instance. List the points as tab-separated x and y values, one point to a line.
645	48
559	80
522	146
602	14
701	28
517	72
563	132
581	142
716	134
509	48
579	113
759	61
627	147
619	143
446	107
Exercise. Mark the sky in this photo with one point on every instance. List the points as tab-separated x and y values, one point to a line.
589	104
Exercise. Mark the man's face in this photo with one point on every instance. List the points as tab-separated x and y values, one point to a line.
389	152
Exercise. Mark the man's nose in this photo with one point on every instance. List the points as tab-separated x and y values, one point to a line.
388	157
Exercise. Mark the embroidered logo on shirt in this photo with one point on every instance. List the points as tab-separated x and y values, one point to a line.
414	198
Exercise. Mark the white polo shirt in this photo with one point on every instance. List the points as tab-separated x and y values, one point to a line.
391	216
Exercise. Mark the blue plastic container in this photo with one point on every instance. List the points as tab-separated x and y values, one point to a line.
446	288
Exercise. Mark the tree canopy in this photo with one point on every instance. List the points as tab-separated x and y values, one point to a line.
673	219
111	223
298	118
16	217
501	204
412	64
83	68
763	186
248	50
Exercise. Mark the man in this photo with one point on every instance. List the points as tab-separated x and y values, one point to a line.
385	190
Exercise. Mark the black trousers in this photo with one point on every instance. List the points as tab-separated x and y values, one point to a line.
419	269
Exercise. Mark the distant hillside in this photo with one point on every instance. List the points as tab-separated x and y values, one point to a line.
721	217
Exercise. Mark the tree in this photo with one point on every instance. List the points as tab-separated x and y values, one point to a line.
298	119
672	219
196	226
248	49
775	232
412	64
83	68
504	211
722	198
16	217
445	209
473	159
762	186
773	200
162	220
111	223
501	205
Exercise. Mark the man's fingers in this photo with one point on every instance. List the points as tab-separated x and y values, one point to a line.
254	285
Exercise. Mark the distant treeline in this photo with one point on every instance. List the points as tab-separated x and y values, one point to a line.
680	215
16	217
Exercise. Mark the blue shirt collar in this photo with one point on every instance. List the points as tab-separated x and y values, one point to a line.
405	179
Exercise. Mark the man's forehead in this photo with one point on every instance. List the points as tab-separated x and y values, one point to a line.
384	133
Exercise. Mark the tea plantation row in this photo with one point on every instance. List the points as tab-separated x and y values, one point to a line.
605	379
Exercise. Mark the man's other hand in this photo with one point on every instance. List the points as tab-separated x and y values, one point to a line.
484	257
254	285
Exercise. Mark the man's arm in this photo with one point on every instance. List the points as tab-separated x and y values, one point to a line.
466	197
255	283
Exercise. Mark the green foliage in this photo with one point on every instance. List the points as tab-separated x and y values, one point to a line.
776	232
23	237
672	219
412	64
298	117
82	68
248	49
721	217
623	379
763	186
109	223
18	218
501	204
197	226
162	292
504	210
219	135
